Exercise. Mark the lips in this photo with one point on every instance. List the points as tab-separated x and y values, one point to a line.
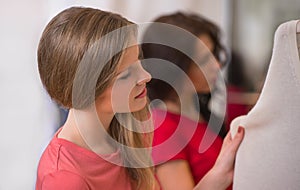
142	94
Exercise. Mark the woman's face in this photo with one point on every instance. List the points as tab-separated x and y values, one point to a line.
127	92
205	77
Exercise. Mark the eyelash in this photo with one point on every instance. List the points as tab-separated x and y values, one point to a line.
129	70
125	76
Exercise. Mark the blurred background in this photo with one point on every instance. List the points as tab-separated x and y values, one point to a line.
28	116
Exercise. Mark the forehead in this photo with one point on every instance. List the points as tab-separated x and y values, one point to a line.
130	56
207	41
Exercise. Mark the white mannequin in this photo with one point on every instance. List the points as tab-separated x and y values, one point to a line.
269	156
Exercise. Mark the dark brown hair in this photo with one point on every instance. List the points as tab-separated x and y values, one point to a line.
196	25
159	89
192	23
206	27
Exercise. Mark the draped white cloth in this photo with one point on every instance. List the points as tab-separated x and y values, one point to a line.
269	156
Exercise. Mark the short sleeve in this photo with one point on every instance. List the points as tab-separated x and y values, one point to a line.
63	180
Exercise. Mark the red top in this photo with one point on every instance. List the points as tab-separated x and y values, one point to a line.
65	165
234	109
178	138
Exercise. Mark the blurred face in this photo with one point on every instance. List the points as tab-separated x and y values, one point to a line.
127	92
205	77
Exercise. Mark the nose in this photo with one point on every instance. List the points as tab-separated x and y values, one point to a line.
143	77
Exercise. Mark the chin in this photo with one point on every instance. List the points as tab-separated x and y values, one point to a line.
138	106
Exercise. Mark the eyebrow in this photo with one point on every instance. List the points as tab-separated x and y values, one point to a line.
140	56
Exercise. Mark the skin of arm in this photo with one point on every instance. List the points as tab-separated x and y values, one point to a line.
175	174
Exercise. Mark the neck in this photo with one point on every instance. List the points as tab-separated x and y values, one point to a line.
88	129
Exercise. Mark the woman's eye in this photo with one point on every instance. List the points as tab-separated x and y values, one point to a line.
204	60
125	76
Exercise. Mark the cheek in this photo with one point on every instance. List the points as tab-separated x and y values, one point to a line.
121	96
104	101
199	80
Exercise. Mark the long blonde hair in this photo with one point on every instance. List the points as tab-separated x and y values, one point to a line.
63	46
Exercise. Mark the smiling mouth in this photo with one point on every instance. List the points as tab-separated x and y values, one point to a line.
142	94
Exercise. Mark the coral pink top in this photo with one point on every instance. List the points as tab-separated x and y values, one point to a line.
65	165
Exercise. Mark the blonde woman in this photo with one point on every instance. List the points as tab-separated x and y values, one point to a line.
89	63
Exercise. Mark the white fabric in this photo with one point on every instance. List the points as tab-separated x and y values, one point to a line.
269	156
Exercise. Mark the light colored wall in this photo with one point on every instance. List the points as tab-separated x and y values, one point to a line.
26	114
254	27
